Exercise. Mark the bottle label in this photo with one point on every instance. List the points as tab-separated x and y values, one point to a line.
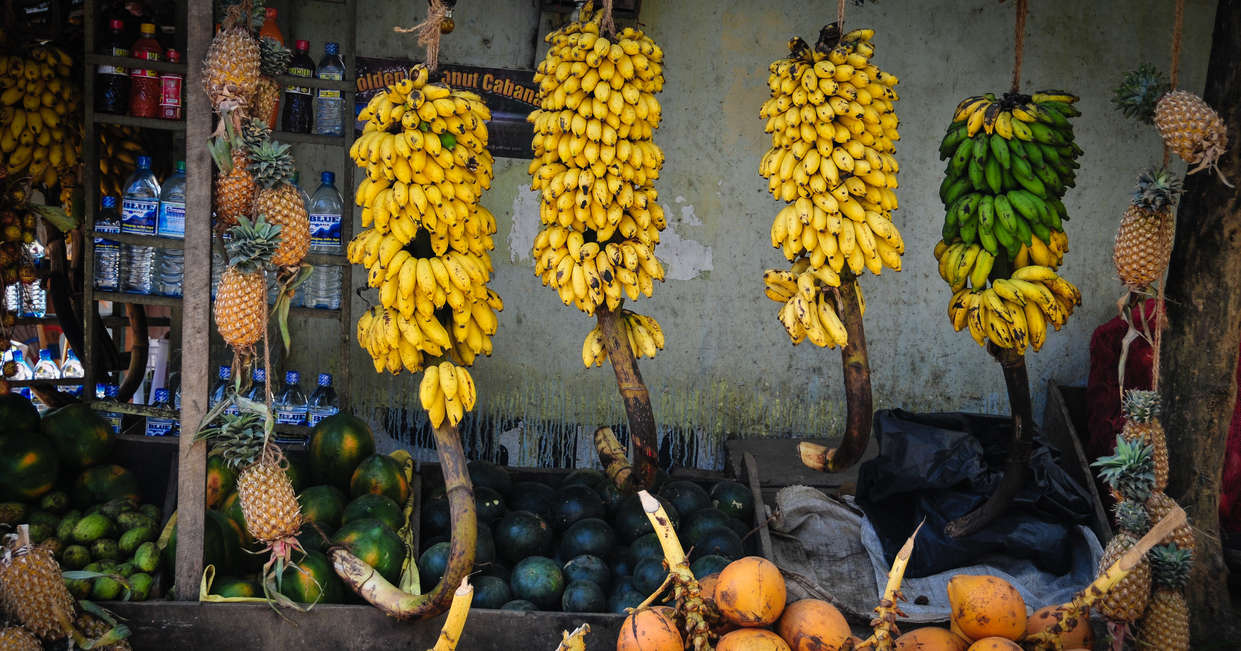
324	230
138	216
160	426
299	72
329	93
107	227
115	70
171	220
170	96
114	421
291	416
317	414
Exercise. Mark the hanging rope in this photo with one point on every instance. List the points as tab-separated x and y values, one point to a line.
607	24
1019	43
840	15
428	32
1178	23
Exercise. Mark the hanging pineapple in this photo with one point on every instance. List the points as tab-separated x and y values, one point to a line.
275	58
1189	127
31	589
1130	473
1144	240
16	638
234	192
241	298
1165	626
280	201
1142	426
231	68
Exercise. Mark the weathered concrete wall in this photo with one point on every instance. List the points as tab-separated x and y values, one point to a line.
728	365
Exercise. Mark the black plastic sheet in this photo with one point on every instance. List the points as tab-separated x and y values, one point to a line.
942	466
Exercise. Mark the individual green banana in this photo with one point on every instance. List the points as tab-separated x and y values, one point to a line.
988	241
999	149
994	175
976	175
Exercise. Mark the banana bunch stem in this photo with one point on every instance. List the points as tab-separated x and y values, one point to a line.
1018	383
390	599
641	473
855	361
695	614
450	634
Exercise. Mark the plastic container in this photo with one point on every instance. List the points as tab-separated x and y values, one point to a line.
162	426
323	402
297	115
258	384
171	224
291	402
270	29
108	252
329	116
144	85
223	384
109	392
170	88
72	368
112	82
139	216
322	288
46	369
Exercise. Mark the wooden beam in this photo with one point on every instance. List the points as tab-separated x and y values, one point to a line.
196	315
1199	351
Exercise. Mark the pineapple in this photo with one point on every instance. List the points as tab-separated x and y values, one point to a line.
231	68
1126	601
1165	626
16	638
268	502
1158	506
1129	472
235	190
1191	129
241	298
1141	409
1139	91
278	199
275	61
95	628
1144	241
31	588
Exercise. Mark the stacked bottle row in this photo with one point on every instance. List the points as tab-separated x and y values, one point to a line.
140	92
292	405
46	368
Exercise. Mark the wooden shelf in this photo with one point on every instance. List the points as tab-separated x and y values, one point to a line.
315	313
141	123
140	299
309	139
322	259
314	82
133	410
132	62
141	438
143	240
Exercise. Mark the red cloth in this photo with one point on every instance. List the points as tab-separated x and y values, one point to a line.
1230	492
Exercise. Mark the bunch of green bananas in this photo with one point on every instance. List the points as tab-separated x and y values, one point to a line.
595	166
1010	161
426	239
1014	312
119	148
643	332
40	116
832	129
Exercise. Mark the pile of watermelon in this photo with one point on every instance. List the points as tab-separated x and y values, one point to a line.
578	544
54	476
349	495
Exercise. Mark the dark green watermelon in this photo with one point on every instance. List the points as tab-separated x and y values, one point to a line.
585	476
583	597
645	547
520	605
612	497
649	574
431	565
588	568
485	473
490	592
576	502
620	562
312	581
379	507
81	436
17	415
688	497
520	534
708	565
734	499
488	503
494	568
538	579
700	523
624	596
590	536
631	522
722	541
323	505
435	519
535	497
484	546
376	544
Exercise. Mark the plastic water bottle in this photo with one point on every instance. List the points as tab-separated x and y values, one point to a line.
258	383
72	368
159	426
171	224
104	391
291	403
322	288
139	214
46	369
218	264
223	385
108	252
31	298
329	120
323	402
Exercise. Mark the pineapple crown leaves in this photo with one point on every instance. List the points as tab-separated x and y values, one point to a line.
275	57
1157	191
1140	406
253	132
239	438
252	244
1170	565
1130	471
1139	91
271	164
1132	517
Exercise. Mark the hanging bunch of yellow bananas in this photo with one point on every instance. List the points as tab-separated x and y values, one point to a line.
643	332
832	129
119	148
40	116
426	241
595	164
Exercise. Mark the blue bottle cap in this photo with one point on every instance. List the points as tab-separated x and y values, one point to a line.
113	390
259	375
181	167
292	377
327	178
161	395
69	354
109	202
226	372
45	353
331	48
144	162
325	379
101	390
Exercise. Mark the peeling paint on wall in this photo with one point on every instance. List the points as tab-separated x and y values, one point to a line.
525	225
683	258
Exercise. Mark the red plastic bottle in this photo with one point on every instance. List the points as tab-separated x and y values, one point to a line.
170	84
270	28
144	86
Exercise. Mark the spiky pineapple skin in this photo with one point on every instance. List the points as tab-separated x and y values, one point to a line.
32	590
266	100
1165	626
1190	128
93	628
16	638
1127	600
240	305
234	194
1143	247
1160	505
268	502
231	68
283	205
